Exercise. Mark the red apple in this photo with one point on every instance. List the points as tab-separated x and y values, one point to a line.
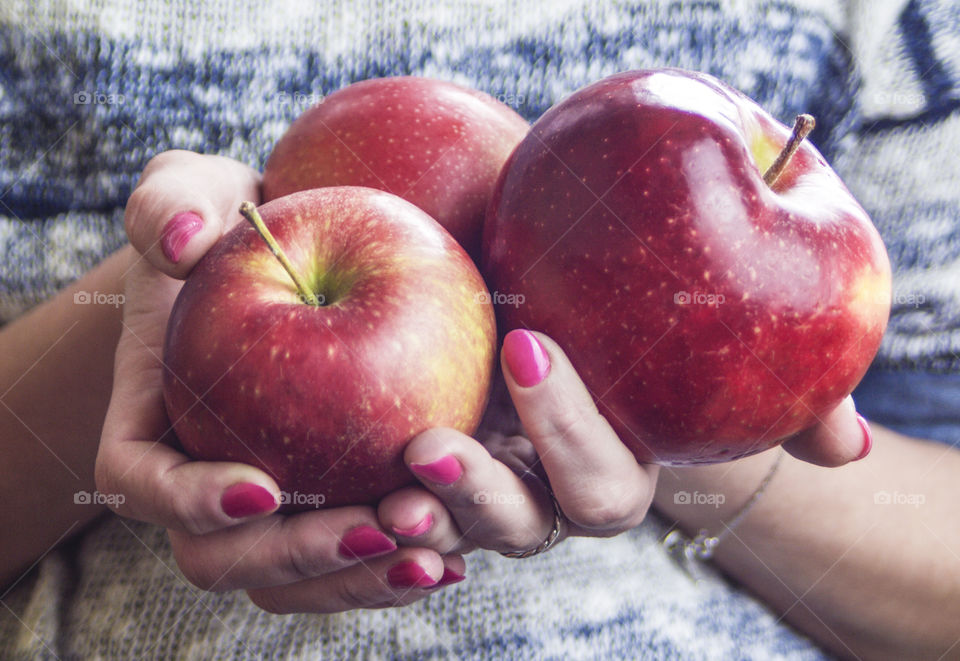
710	314
325	397
433	143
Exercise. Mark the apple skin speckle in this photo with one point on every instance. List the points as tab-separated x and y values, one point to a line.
761	308
337	387
431	142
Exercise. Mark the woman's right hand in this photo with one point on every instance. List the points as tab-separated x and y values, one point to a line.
221	516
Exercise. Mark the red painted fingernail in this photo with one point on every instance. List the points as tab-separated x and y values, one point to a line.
449	577
246	499
445	470
867	437
364	541
525	356
409	575
177	232
418	529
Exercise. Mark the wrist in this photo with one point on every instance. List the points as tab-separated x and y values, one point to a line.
715	496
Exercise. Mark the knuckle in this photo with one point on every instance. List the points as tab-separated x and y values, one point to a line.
144	199
138	206
608	510
185	514
187	518
302	560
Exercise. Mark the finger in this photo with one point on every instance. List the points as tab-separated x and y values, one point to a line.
419	518
840	437
136	464
183	203
491	504
281	549
150	481
398	579
595	478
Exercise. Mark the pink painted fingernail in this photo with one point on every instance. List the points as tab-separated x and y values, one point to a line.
418	529
409	575
525	356
867	437
177	232
246	499
449	577
445	470
364	541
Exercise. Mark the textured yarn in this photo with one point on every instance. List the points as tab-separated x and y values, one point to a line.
91	89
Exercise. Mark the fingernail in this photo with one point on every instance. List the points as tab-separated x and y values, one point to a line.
364	541
867	437
409	575
177	232
525	356
449	577
445	470
246	499
418	529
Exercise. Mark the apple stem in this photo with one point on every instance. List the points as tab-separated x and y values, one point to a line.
249	211
801	129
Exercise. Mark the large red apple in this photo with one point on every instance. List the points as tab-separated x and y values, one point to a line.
433	143
710	314
325	397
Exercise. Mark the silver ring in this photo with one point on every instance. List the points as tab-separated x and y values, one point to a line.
551	538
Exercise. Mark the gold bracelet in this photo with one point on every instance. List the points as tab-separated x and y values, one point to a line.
685	550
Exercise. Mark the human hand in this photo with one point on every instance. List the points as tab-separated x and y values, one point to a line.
221	516
492	494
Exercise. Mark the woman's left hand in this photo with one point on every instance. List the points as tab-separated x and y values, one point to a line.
494	494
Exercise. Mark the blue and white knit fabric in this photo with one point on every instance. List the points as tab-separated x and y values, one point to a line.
91	89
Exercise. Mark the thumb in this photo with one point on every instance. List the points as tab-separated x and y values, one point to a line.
137	461
183	203
841	436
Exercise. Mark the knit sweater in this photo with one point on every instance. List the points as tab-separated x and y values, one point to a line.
91	89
